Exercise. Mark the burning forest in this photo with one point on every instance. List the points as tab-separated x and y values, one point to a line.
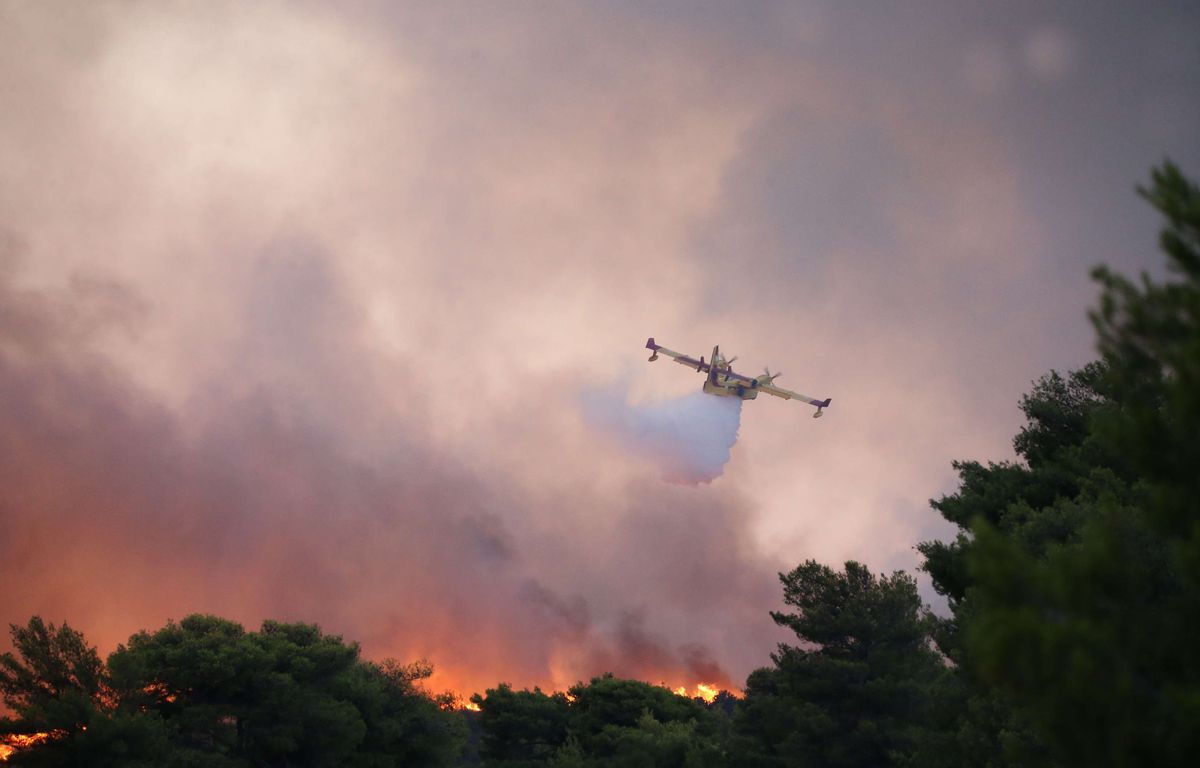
321	354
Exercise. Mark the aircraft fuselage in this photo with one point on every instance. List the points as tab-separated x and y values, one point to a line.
729	388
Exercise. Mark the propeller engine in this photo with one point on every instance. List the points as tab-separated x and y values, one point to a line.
769	377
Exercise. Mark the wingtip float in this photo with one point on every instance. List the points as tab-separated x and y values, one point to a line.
722	381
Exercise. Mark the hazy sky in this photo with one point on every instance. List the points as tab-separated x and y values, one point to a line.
301	307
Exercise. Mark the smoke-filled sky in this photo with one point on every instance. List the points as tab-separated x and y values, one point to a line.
336	314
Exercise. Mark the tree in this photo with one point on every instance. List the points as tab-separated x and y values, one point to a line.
859	693
605	722
1038	503
520	727
1095	637
405	725
1074	583
1149	336
628	722
60	688
201	677
286	695
204	692
57	683
654	743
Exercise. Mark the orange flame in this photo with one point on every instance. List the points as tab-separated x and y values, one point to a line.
161	691
17	741
706	691
471	706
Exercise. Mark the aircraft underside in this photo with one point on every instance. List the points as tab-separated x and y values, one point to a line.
732	389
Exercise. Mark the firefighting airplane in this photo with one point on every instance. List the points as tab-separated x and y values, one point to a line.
723	382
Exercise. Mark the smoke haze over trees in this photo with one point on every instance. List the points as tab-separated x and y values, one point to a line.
299	302
1073	586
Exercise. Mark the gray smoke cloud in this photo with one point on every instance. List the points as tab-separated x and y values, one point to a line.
287	492
308	295
688	438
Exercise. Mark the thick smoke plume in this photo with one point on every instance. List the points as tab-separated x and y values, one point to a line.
688	438
308	295
288	492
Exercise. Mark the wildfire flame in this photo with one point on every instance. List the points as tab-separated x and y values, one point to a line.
17	741
706	691
161	691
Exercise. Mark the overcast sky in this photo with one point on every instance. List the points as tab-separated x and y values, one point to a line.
301	306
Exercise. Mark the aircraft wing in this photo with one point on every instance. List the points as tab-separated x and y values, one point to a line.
787	394
690	362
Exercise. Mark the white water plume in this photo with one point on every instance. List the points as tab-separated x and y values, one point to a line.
688	438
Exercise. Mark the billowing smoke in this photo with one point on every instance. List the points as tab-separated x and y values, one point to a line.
688	438
287	491
309	294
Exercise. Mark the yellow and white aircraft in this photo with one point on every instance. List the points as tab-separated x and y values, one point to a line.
723	382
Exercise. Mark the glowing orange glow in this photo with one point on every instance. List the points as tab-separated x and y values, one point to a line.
161	691
452	701
17	741
706	691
